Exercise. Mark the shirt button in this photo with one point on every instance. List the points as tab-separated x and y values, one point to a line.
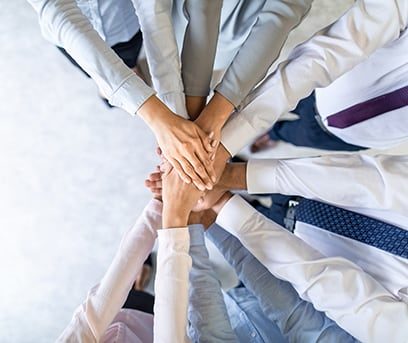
253	334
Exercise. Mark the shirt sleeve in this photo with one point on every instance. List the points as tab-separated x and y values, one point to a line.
162	52
104	301
171	286
336	286
365	27
297	319
200	45
373	182
208	316
64	22
262	47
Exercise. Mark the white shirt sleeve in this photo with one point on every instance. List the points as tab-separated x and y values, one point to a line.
360	181
104	301
349	296
64	22
365	27
171	286
162	52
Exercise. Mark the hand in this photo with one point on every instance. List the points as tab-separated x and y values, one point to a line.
183	143
178	198
214	115
154	183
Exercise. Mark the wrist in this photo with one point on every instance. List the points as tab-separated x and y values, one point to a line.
154	113
216	112
174	218
221	203
234	177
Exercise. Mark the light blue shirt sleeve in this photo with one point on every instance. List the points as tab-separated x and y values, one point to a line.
262	47
297	319
207	314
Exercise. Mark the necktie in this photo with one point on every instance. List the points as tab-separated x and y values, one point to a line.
353	225
369	109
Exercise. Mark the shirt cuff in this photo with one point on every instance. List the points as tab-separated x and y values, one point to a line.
131	94
175	239
196	235
229	91
237	133
175	101
235	213
261	176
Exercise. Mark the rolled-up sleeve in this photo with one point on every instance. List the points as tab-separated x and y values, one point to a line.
262	47
64	22
365	27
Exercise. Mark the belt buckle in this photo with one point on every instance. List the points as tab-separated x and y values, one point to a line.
290	219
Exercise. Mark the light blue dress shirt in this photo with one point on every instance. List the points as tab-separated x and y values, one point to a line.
115	21
297	319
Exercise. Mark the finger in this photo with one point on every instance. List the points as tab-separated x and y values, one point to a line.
189	169
157	191
204	167
153	184
159	151
206	140
201	171
180	171
156	176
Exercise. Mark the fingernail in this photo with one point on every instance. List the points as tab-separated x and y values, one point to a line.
212	157
214	179
211	135
214	143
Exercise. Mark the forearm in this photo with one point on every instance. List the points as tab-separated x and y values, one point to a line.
262	47
349	296
208	317
200	44
297	319
215	114
367	26
64	21
234	177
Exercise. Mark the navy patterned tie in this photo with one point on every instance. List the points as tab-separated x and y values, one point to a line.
356	226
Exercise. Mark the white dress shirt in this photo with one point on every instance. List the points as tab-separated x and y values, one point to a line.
356	301
384	71
100	317
364	28
171	286
373	186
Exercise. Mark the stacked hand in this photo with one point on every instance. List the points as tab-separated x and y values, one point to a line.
184	144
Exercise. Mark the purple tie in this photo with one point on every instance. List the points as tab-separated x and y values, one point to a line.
369	109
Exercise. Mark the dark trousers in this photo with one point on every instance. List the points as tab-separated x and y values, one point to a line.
277	211
127	51
307	131
140	300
